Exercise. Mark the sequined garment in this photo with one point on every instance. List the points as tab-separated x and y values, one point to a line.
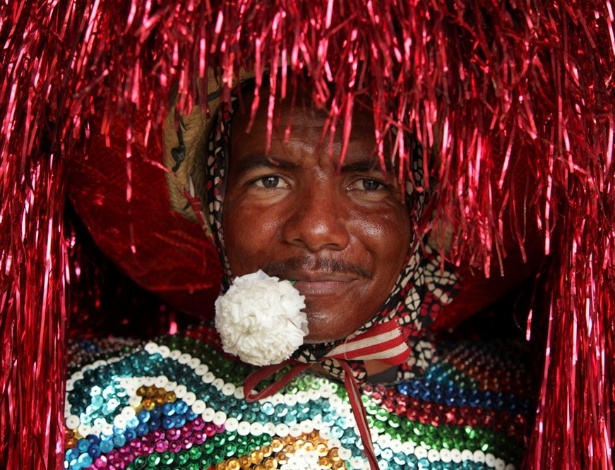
177	403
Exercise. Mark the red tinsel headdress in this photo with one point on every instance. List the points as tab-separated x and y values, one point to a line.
487	87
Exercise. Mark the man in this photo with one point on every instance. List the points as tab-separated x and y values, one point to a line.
344	233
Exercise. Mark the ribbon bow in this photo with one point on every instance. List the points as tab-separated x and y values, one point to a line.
383	342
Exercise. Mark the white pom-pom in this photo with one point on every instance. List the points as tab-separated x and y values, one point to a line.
260	319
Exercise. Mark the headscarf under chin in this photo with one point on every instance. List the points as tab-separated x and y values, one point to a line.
423	287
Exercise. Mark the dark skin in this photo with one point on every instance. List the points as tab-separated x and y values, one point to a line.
341	234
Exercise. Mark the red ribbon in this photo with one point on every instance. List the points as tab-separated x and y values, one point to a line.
297	367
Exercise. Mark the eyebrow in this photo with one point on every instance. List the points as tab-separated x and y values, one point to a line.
365	165
256	161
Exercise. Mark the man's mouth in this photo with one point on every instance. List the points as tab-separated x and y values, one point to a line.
314	284
317	271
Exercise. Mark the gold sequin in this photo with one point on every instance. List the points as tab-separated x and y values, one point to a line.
322	449
233	464
148	404
325	462
270	463
256	456
276	444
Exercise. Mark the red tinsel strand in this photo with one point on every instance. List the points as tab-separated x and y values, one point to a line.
527	81
33	319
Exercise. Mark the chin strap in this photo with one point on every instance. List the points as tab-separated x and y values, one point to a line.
383	342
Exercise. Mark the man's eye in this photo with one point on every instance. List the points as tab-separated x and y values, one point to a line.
367	184
269	182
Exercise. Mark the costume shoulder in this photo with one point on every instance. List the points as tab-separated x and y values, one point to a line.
178	402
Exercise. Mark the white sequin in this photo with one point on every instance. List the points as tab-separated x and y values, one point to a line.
282	430
243	428
199	406
420	452
119	422
189	398
433	455
295	430
72	422
445	455
128	412
228	389
302	397
306	426
290	400
151	348
408	448
344	453
218	383
85	430
219	418
479	456
269	428
208	378
184	358
161	381
208	415
256	429
231	424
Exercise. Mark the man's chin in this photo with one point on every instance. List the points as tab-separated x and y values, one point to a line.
325	326
308	340
325	335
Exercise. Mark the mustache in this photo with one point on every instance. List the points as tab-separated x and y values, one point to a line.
316	264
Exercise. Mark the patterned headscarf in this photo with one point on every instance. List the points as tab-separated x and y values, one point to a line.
396	334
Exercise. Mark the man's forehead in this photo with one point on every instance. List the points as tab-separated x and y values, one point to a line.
298	122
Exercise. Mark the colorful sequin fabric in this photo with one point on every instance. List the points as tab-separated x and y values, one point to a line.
178	403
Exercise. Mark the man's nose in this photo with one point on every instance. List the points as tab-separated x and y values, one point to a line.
317	220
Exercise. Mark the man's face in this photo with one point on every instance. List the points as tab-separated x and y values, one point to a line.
341	235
